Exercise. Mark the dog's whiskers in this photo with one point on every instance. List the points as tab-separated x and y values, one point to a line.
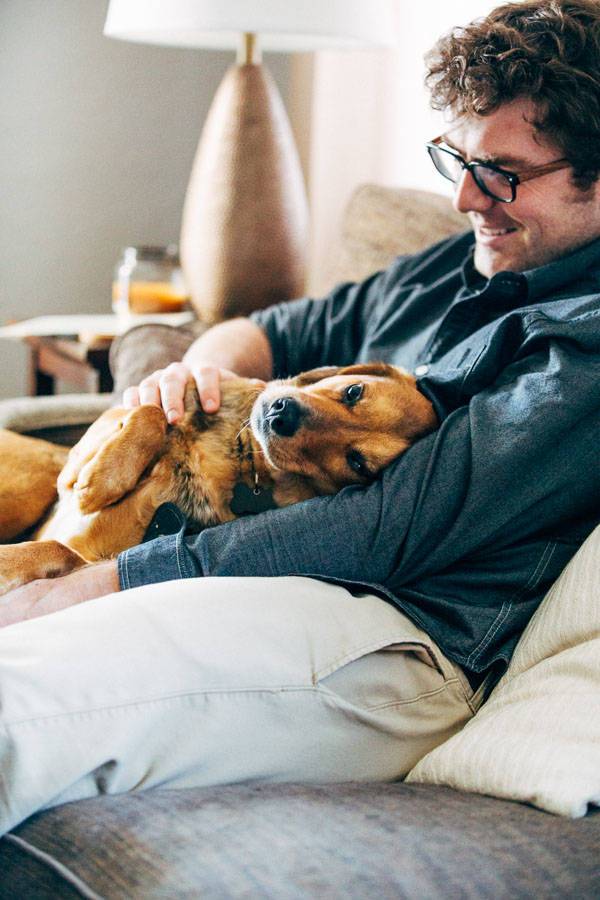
251	450
245	425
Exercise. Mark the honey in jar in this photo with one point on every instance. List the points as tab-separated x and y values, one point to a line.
149	280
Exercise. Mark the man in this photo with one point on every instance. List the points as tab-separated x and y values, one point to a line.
444	558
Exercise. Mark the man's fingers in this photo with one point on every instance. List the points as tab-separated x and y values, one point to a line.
149	392
172	390
207	381
131	397
166	388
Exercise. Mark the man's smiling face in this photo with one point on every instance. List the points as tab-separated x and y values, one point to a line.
549	217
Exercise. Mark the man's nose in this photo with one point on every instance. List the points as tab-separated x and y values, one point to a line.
469	197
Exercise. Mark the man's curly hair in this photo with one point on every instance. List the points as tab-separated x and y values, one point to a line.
544	50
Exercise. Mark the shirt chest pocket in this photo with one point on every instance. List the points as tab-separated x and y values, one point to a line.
457	376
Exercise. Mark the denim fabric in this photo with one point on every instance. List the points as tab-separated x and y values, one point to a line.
166	557
468	529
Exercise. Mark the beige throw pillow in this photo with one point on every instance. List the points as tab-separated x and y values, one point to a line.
537	738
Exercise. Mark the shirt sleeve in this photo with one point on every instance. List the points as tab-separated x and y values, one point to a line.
305	334
521	458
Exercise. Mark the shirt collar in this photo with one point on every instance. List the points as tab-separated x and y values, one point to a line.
503	291
538	281
471	278
560	272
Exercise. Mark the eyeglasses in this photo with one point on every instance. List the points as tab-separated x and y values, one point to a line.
495	182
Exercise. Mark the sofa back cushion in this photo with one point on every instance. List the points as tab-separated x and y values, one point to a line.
380	223
537	738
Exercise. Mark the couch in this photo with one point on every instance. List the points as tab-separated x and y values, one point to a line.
357	840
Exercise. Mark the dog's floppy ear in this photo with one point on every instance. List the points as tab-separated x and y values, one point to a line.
383	370
314	375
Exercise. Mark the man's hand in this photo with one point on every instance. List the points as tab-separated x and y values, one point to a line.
48	595
166	388
227	350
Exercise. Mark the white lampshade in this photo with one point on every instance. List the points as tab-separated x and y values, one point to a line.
285	25
245	219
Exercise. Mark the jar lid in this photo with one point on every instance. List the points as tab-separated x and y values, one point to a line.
153	253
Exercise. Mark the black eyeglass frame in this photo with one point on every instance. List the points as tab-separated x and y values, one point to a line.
512	177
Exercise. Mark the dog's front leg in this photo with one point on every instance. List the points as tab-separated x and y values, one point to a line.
112	455
22	563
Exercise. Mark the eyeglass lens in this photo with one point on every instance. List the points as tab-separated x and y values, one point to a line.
491	182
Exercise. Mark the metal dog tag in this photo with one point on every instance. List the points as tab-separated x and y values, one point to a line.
247	502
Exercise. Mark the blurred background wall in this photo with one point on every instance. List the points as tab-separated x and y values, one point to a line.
97	139
369	118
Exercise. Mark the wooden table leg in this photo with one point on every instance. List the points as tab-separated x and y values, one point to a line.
65	360
40	383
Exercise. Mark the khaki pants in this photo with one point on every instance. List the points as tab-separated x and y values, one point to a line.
214	681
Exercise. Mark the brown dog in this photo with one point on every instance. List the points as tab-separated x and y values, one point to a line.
281	442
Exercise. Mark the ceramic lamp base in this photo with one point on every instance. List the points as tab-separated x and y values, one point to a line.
245	222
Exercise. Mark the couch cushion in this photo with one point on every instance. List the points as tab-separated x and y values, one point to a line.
381	223
293	841
537	738
61	419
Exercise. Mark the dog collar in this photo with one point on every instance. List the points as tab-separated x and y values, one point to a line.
168	519
246	500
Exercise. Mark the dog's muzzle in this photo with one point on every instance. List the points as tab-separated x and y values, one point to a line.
283	416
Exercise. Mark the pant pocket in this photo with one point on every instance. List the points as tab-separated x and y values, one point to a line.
390	675
395	689
393	666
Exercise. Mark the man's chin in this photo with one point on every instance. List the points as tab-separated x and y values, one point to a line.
488	262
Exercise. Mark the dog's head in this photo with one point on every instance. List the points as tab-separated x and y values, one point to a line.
340	426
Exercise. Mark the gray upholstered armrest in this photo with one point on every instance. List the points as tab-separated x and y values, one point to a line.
61	419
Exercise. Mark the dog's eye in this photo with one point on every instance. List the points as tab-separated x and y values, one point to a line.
352	393
357	463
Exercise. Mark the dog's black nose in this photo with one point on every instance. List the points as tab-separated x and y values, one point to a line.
284	415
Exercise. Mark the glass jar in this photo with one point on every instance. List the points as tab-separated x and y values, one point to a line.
148	280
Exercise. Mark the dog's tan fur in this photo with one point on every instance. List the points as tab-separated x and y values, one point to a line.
130	462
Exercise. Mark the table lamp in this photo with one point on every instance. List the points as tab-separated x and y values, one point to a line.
244	228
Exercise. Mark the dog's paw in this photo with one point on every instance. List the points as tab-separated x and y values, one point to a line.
119	461
17	566
30	560
12	573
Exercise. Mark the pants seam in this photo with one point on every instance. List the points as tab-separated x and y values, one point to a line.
160	699
398	703
123	568
316	688
371	646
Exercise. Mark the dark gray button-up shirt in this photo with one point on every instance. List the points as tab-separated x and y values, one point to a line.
467	530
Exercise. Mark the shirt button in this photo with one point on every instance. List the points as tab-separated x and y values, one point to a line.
421	370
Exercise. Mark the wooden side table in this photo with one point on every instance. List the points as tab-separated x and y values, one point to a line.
84	366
